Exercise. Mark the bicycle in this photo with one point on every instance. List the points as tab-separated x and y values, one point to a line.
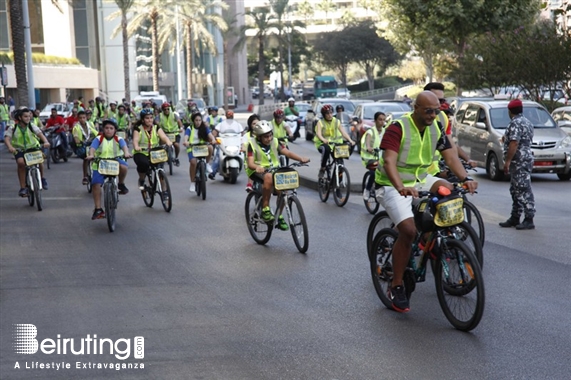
109	169
200	151
462	231
33	158
156	181
170	150
286	181
457	273
337	177
371	204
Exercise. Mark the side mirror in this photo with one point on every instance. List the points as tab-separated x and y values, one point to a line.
480	125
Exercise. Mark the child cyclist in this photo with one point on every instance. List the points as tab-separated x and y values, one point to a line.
370	141
263	153
197	133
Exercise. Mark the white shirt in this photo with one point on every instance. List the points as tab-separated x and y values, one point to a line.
229	125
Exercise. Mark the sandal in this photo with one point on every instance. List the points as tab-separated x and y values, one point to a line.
84	181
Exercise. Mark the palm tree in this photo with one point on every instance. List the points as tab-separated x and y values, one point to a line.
326	6
305	9
124	7
195	16
230	32
262	21
19	49
280	7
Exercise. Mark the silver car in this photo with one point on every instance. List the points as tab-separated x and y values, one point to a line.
562	117
480	125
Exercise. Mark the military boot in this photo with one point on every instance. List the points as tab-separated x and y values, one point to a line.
511	222
527	224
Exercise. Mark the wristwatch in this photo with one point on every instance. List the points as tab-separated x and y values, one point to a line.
468	178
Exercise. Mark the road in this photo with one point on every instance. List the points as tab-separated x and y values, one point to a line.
211	304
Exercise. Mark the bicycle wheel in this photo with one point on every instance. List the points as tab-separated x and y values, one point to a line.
342	191
298	224
148	193
165	194
29	178
170	161
89	177
458	269
197	179
37	191
323	187
381	260
47	157
379	221
259	229
202	179
474	218
371	204
465	233
108	190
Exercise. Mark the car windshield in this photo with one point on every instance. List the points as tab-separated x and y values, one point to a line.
562	118
349	107
369	111
303	107
401	106
539	117
58	106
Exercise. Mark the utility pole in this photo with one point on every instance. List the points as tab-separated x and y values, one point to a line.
28	42
178	58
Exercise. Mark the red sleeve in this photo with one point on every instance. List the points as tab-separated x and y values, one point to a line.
449	128
391	138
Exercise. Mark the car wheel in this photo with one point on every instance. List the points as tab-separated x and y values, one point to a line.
564	177
493	168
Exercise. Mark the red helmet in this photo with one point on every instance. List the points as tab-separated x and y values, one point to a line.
326	109
165	105
278	114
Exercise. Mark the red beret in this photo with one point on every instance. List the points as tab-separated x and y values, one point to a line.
515	103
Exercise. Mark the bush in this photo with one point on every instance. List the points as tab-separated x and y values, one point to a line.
379	83
449	90
8	58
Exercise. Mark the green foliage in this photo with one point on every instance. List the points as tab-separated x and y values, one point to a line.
389	81
8	58
449	90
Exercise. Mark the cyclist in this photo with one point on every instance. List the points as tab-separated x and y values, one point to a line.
91	118
170	123
23	136
83	132
135	110
100	110
198	133
263	153
328	130
213	119
409	146
291	109
191	109
108	145
149	136
123	120
370	141
280	129
112	111
4	117
36	119
253	120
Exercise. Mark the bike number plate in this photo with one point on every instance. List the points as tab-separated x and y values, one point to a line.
158	156
171	136
449	213
200	150
108	167
341	151
121	134
33	158
286	180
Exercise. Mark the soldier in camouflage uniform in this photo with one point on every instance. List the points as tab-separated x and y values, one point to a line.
519	163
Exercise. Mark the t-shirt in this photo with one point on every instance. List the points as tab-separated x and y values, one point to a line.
393	134
196	138
52	121
71	121
289	111
229	125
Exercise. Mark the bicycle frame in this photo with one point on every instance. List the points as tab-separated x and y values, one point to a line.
33	170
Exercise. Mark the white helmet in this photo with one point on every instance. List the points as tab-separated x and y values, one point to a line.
291	100
262	128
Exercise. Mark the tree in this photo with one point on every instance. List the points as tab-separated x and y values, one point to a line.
335	51
306	10
231	32
124	7
326	6
19	49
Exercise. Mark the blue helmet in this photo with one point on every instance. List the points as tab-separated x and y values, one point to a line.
145	112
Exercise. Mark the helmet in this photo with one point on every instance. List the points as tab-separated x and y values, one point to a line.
339	108
229	114
112	102
214	108
121	106
145	112
278	113
291	100
88	111
326	108
165	105
262	128
109	121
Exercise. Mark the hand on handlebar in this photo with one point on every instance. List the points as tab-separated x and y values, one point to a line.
304	160
471	186
260	170
89	158
406	191
46	145
128	155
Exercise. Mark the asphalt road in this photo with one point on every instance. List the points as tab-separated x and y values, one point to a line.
212	304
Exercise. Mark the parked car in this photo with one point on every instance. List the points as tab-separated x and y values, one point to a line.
558	96
456	101
480	125
343	92
182	106
63	109
562	117
314	114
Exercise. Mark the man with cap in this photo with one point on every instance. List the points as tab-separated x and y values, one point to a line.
518	162
228	125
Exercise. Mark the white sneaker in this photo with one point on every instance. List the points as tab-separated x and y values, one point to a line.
366	194
191	188
208	168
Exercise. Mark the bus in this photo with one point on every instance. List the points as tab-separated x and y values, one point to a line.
324	87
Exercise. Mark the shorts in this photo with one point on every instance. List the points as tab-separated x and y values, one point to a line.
257	177
398	207
97	178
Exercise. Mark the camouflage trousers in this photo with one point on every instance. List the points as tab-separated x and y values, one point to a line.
520	190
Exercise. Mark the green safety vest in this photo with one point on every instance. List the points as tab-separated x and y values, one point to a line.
214	121
329	131
80	133
99	111
137	111
35	121
435	167
191	140
107	149
168	124
261	158
122	122
144	140
416	153
111	114
4	112
376	136
23	138
279	130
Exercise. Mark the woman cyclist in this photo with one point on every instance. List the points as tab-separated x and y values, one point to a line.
197	133
253	120
146	136
328	130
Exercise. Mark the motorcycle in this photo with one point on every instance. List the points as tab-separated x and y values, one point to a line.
230	155
293	123
57	151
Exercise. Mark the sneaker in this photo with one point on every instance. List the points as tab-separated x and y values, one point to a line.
398	297
23	192
44	184
267	215
211	176
176	162
141	184
249	187
84	181
98	213
122	189
191	188
527	224
511	222
366	194
208	168
282	225
321	173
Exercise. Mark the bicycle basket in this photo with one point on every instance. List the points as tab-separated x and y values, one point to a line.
286	179
449	211
200	150
33	158
423	218
158	156
171	136
341	151
108	167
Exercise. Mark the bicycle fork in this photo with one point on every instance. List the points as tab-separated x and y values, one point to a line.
34	172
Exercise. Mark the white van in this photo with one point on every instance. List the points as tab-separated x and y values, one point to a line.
152	96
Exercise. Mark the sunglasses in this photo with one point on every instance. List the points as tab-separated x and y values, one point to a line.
430	111
442	101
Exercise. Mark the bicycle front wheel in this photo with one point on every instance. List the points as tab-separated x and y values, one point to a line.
465	233
323	188
89	178
108	190
30	183
371	204
165	194
148	192
202	165
298	224
379	221
170	161
459	285
258	228
473	217
381	260
37	191
342	190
